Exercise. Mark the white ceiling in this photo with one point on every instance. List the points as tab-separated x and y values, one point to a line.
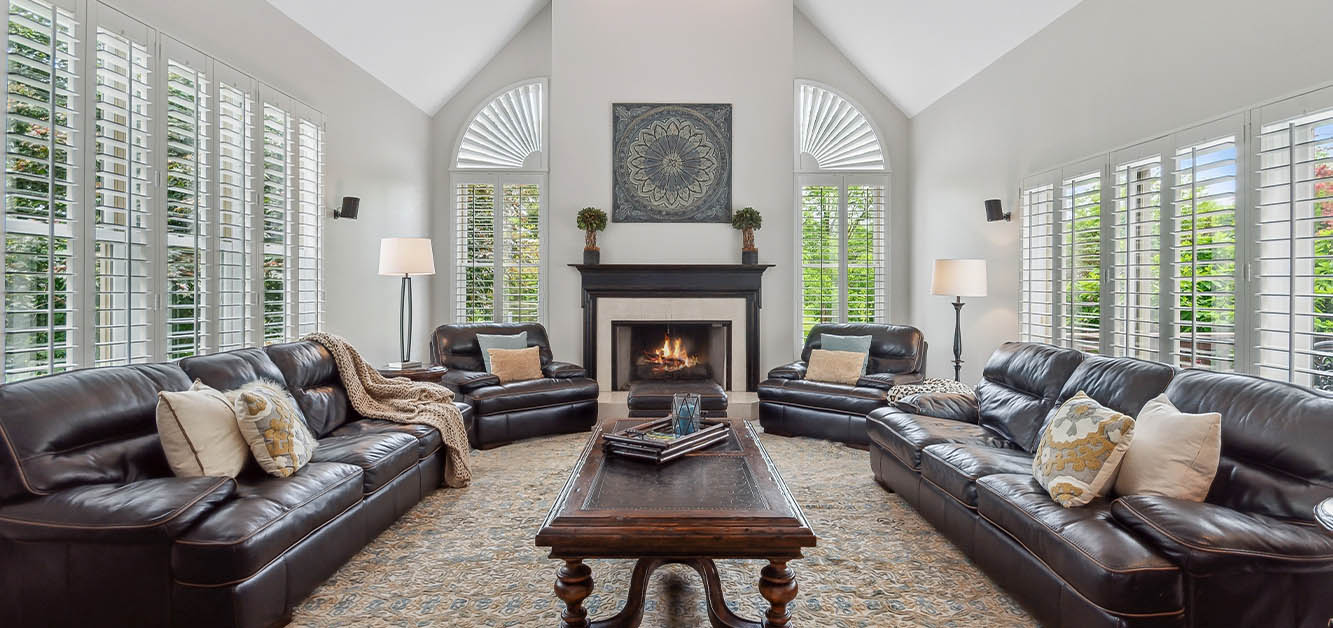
916	51
425	50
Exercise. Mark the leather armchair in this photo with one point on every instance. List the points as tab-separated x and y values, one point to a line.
791	405
565	400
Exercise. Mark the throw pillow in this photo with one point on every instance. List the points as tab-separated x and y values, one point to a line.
1174	454
834	367
1080	451
199	434
486	342
273	426
516	365
855	344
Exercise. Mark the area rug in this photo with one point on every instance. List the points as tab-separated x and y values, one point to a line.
465	557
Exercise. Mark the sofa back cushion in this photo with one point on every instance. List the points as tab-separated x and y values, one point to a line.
897	349
1121	384
313	380
1277	441
233	369
1019	387
94	426
455	346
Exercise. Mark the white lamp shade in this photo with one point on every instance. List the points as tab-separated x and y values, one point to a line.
959	277
406	256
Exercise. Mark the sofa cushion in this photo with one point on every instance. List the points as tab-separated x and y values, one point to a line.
856	400
904	435
536	393
381	456
233	369
199	433
314	382
265	517
143	511
428	438
1019	386
1121	384
956	467
1080	451
1105	563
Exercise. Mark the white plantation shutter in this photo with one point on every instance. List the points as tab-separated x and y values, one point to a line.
277	143
1293	275
1203	245
842	249
187	194
520	290
475	256
1079	247
820	251
1037	275
309	224
1136	274
235	185
42	189
508	132
865	247
832	133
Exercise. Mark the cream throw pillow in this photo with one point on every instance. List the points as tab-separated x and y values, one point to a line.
516	365
1174	454
273	426
1080	451
835	367
198	431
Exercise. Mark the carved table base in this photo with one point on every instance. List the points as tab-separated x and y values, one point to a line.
777	583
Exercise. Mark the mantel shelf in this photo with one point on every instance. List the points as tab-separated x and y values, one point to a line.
672	267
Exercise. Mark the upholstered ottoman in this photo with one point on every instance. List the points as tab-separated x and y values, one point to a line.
652	398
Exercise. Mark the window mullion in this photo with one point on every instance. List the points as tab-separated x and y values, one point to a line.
498	249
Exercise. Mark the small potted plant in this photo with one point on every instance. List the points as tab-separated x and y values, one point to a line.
591	220
747	220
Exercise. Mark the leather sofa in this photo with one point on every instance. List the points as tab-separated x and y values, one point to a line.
790	405
563	401
95	528
1251	554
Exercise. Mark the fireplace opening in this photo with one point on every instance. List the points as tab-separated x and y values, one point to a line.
670	350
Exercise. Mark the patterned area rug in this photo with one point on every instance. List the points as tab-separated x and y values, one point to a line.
466	557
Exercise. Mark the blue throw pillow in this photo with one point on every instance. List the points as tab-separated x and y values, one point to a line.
486	342
855	344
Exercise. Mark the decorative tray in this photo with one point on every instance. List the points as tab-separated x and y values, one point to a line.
655	442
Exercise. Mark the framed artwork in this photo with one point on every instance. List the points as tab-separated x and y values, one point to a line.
671	162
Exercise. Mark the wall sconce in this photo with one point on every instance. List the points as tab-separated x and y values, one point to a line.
995	212
350	208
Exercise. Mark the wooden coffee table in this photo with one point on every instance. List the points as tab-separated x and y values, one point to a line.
724	502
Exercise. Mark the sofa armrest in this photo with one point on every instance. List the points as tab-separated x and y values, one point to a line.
155	509
564	370
956	406
1206	538
885	381
795	370
461	381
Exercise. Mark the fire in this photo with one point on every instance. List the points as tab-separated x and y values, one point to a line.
671	356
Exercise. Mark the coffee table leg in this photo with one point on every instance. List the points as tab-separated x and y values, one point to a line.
777	583
573	584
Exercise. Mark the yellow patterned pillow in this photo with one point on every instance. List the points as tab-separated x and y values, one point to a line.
1080	451
273	427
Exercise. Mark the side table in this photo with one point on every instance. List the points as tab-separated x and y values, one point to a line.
1323	513
427	373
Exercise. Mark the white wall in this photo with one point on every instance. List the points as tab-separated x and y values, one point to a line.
1103	75
376	148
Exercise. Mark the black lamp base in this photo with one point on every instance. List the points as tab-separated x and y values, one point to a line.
957	339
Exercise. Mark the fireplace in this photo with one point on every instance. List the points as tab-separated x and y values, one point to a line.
670	350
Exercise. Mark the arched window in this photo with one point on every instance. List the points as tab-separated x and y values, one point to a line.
499	179
842	172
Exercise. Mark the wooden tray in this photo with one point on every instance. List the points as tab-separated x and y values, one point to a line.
633	442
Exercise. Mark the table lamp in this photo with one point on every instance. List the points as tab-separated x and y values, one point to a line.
959	278
406	257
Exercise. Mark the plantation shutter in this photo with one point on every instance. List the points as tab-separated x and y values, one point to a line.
1293	278
187	191
42	189
821	251
1137	252
475	257
865	251
1079	245
235	185
520	294
1203	248
309	224
277	137
1038	261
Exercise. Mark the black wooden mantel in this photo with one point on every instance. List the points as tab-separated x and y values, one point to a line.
687	281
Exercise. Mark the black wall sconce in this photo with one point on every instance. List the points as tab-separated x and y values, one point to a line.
350	208
994	212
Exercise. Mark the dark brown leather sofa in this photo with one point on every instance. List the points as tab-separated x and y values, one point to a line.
564	401
1250	555
95	529
790	405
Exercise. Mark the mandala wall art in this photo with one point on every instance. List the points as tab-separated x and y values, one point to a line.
671	163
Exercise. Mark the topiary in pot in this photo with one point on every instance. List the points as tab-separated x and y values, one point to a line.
591	220
747	220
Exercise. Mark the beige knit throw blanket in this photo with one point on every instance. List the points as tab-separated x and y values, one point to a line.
402	401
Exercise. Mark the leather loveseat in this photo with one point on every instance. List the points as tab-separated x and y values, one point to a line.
1249	555
790	405
563	401
96	530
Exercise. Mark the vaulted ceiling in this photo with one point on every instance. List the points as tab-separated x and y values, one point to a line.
915	51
